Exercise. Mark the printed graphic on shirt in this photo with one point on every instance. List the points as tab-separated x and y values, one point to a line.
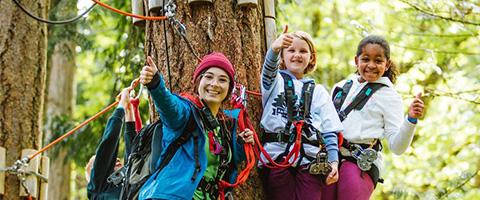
279	106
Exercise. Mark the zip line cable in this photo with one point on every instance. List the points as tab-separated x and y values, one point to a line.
50	21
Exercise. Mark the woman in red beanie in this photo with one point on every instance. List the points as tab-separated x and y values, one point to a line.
211	152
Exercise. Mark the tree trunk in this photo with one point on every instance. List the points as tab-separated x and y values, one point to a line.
221	26
59	103
60	96
22	82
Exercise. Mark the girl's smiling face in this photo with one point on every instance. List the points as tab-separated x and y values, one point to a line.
297	57
372	63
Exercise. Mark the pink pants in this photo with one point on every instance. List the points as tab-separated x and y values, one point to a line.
294	184
353	184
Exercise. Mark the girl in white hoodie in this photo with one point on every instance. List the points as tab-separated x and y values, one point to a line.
379	116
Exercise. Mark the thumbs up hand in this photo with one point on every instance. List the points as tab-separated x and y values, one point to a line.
283	41
416	107
148	71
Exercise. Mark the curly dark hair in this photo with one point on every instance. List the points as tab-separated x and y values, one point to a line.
392	71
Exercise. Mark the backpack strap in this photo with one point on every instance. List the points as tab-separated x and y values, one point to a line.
360	100
177	143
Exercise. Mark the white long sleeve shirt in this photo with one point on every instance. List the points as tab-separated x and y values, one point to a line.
274	116
381	117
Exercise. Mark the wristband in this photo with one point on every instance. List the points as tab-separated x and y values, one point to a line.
412	120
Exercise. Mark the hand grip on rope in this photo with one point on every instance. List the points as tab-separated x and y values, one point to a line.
132	86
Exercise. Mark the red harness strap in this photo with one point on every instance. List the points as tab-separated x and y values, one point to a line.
136	113
250	158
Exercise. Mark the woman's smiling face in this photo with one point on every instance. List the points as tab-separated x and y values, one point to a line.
213	86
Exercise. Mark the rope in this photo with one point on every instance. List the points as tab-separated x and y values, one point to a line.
50	21
182	31
133	85
239	101
250	159
129	14
258	94
166	50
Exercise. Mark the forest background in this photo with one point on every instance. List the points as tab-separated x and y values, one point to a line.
434	42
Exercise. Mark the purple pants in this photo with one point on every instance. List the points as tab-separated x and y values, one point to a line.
293	184
353	184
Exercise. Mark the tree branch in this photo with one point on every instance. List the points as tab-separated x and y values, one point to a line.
448	192
442	35
439	16
455	95
437	51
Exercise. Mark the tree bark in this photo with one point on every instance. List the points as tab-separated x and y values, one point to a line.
221	26
23	44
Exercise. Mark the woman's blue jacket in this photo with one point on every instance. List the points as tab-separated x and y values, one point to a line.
174	181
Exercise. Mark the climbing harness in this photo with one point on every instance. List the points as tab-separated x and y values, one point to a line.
219	139
362	154
340	94
320	165
239	102
297	115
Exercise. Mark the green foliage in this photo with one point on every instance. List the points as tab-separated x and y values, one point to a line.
436	47
109	54
106	66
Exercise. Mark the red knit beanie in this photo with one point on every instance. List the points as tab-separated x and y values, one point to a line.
219	60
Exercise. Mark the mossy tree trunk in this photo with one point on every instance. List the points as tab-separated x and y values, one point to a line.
23	43
221	26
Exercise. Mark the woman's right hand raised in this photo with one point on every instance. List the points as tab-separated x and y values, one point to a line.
148	71
283	41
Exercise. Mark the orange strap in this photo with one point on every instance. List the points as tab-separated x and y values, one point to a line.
129	14
250	159
133	85
254	93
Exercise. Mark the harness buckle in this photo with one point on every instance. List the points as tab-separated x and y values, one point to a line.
320	166
280	136
291	137
364	157
208	186
342	115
